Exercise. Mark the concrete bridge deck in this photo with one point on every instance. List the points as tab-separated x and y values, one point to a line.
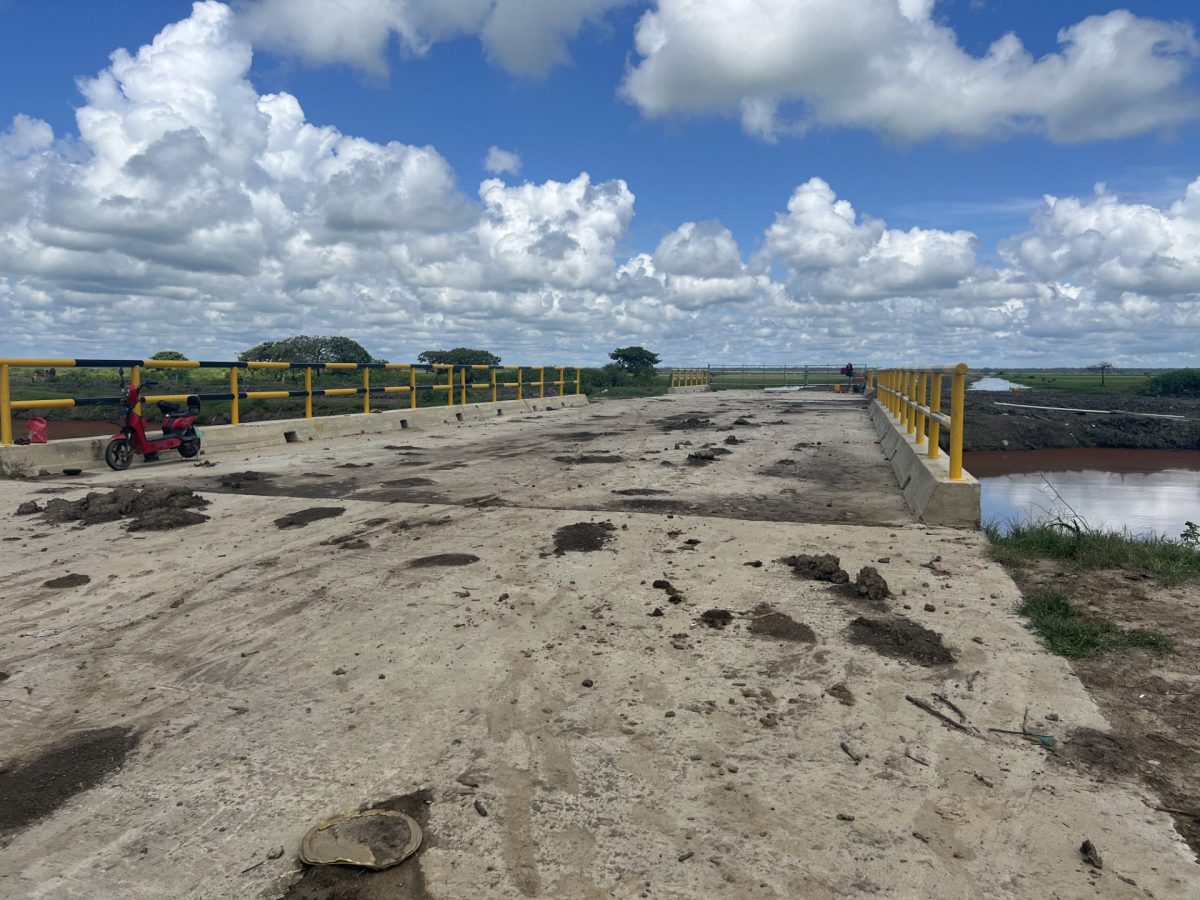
620	746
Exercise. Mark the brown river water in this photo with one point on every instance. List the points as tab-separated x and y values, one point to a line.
1141	491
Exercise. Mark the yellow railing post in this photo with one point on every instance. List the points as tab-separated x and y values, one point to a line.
921	384
910	391
235	408
308	392
935	406
578	380
135	378
957	395
541	382
366	391
463	379
6	437
562	380
493	385
520	386
450	386
412	387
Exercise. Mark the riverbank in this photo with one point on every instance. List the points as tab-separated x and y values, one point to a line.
1124	611
989	426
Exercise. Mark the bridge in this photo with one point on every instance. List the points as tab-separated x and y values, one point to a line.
598	649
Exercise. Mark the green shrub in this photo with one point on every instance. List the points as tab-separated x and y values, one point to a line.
1177	383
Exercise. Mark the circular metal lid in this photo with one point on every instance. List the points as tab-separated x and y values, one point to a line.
373	839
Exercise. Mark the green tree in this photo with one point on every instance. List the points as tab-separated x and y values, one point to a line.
168	354
309	349
636	361
459	356
1103	367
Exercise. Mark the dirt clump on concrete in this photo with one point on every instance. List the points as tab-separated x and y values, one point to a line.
870	584
701	458
583	537
28	508
902	639
842	694
152	508
822	567
674	595
640	492
67	581
733	441
716	618
303	517
408	482
767	621
685	423
444	559
406	880
35	789
235	481
165	520
589	459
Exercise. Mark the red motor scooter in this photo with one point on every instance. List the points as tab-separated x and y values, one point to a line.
179	430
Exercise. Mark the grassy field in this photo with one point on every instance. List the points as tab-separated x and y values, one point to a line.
783	376
1080	382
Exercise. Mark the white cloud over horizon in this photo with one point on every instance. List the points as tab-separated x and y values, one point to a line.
194	213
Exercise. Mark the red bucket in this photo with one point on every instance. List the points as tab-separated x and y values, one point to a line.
37	431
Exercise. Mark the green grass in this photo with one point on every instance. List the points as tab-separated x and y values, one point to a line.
1076	636
1169	561
1080	382
780	377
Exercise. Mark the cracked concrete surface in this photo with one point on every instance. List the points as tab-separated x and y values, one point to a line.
620	746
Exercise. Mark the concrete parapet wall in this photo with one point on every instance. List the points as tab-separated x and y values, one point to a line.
933	498
689	389
88	453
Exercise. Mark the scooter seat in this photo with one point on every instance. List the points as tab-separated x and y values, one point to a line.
167	408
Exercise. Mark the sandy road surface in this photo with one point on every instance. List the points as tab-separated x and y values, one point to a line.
225	685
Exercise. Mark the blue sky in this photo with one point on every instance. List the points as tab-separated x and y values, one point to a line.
694	162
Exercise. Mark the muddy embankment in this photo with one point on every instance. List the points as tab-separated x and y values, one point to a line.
992	427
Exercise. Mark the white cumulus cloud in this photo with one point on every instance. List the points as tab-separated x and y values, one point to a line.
525	37
194	212
502	162
890	66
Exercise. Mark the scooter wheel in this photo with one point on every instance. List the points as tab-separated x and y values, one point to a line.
189	448
118	454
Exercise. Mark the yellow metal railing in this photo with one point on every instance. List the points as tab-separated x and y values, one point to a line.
689	377
913	397
235	394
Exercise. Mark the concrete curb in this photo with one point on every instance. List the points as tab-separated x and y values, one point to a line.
88	453
689	389
933	498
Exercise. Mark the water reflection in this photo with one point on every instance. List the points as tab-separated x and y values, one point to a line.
992	383
1140	502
